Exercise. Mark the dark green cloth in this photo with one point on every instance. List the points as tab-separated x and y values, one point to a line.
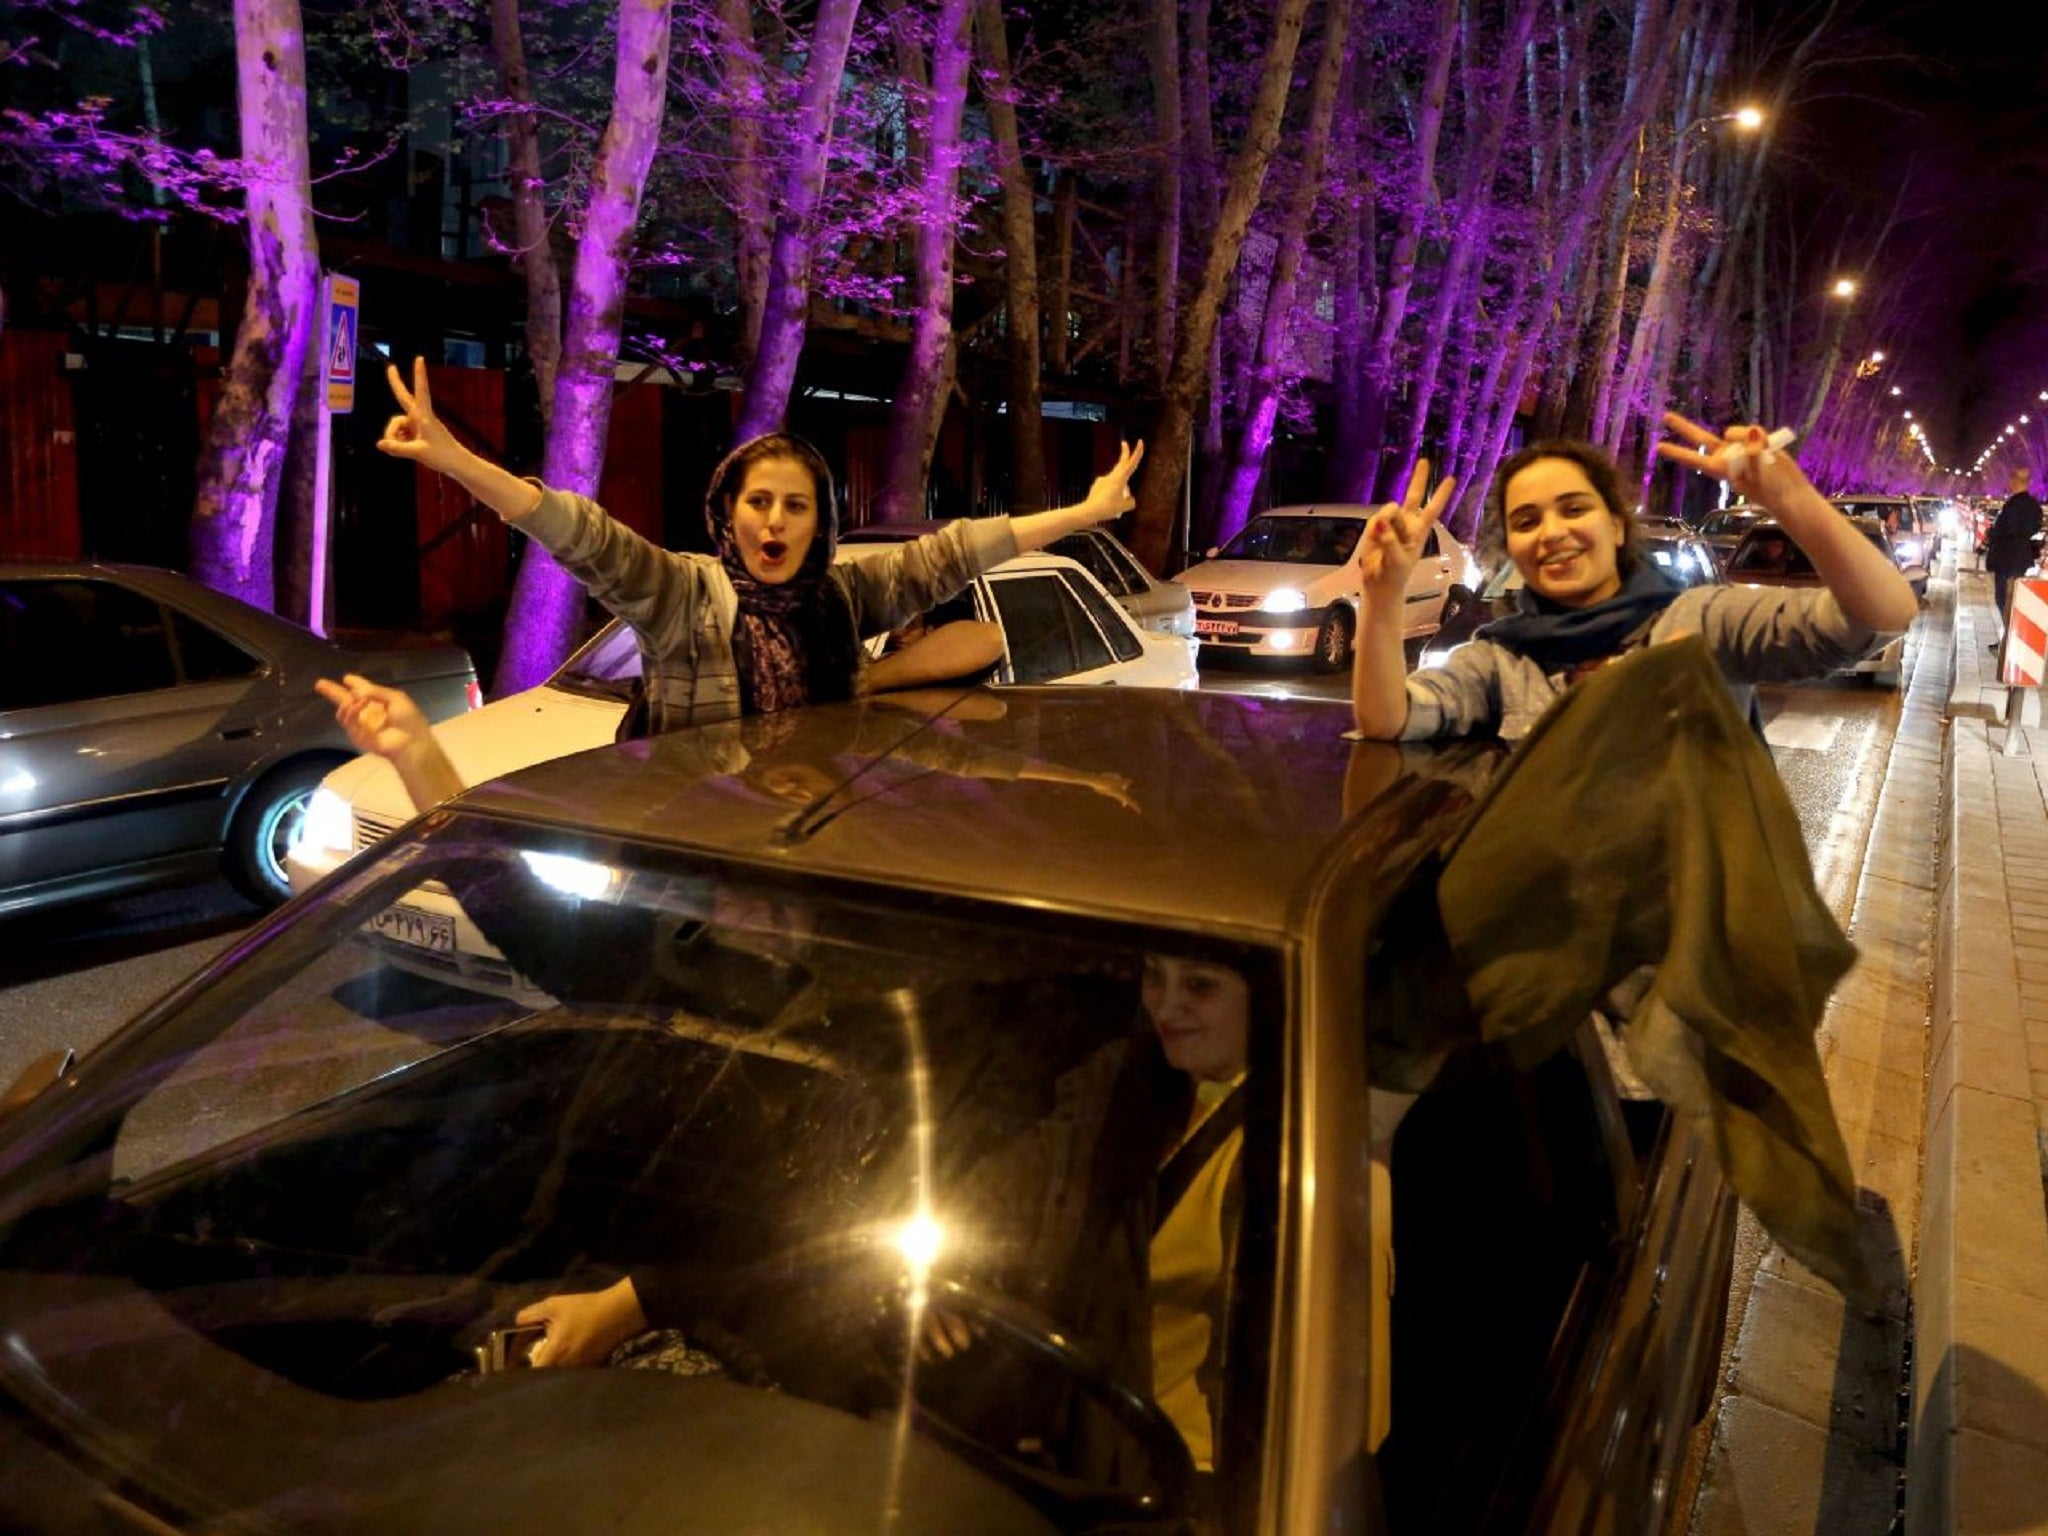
1642	823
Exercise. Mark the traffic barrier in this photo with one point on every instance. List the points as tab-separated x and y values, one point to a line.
2024	657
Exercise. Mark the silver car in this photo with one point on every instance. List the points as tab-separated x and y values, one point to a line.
153	730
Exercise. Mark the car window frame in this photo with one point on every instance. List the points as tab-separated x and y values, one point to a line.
94	582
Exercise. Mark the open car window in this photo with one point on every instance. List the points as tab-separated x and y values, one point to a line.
485	1069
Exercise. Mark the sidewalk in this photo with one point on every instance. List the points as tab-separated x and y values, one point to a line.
1979	1449
1931	1415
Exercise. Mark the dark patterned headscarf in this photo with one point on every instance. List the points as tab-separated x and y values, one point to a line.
792	641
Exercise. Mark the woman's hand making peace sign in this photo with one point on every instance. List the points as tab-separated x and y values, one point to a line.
1394	536
416	433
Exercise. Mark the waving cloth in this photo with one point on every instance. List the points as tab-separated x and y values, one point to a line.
1641	823
1558	638
793	641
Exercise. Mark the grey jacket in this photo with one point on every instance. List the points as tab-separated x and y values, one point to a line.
1754	634
682	606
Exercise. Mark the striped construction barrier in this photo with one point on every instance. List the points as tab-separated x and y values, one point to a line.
2024	658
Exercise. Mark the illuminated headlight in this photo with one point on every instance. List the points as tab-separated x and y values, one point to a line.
1909	551
1282	640
1286	600
582	878
328	824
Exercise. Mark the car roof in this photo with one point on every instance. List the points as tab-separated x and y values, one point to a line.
1319	509
1238	849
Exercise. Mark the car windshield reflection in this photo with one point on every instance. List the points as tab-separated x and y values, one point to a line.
823	1139
1296	540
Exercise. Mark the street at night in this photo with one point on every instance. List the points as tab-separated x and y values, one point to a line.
1219	767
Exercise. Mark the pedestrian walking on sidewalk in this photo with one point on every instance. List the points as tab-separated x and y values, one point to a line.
2009	547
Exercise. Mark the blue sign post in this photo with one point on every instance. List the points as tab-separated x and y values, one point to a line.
339	301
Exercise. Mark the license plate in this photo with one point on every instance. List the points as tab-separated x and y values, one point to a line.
422	930
1215	626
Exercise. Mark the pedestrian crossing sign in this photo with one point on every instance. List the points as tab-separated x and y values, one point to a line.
338	352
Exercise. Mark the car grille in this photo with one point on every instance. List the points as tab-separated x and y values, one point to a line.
370	830
1227	600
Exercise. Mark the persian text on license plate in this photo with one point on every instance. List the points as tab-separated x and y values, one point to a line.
422	930
1215	626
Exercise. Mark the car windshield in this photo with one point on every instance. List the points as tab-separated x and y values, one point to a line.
1686	563
606	668
831	1139
1296	540
1723	524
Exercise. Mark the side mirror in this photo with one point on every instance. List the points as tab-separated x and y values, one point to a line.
51	1067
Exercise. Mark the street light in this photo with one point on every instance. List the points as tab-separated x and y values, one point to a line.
1845	288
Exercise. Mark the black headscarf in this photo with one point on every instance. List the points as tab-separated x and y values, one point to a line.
792	641
1558	638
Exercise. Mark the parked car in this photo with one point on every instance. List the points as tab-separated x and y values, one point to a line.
1679	552
1768	557
1156	605
830	1039
1911	537
1284	586
153	730
1059	626
1723	529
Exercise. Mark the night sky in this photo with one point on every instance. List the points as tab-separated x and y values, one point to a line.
1934	116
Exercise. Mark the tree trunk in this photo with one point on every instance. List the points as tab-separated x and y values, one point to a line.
1159	489
1394	292
1456	294
1267	371
547	606
746	95
1162	49
1020	267
242	469
536	253
920	404
787	308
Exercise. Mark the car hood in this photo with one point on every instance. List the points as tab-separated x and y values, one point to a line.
1255	578
504	736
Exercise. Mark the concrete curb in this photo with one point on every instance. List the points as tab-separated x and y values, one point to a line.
1977	1460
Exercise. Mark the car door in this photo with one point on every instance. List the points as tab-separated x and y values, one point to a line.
1047	632
1427	585
123	725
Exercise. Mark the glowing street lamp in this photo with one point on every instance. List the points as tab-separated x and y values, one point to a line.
1748	119
1845	288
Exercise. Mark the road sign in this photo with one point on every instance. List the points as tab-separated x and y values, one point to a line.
338	353
2025	657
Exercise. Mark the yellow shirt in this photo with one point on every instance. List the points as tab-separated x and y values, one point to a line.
1189	1285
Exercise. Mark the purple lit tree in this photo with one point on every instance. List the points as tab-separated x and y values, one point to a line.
937	89
799	189
546	604
242	467
1159	490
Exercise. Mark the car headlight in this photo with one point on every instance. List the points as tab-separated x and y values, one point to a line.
1286	600
1909	551
329	824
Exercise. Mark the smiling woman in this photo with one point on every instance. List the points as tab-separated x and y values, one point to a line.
1557	513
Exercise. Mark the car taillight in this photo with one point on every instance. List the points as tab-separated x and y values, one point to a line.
474	694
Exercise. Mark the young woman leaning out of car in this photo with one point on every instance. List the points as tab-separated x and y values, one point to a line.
1558	512
769	620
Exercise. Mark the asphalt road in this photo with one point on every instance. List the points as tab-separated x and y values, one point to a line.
70	977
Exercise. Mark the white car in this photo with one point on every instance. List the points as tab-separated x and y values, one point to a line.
1284	586
1059	626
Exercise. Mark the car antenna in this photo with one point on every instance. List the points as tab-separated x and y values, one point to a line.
809	821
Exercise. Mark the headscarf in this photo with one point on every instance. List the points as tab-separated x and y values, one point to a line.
792	641
1558	638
